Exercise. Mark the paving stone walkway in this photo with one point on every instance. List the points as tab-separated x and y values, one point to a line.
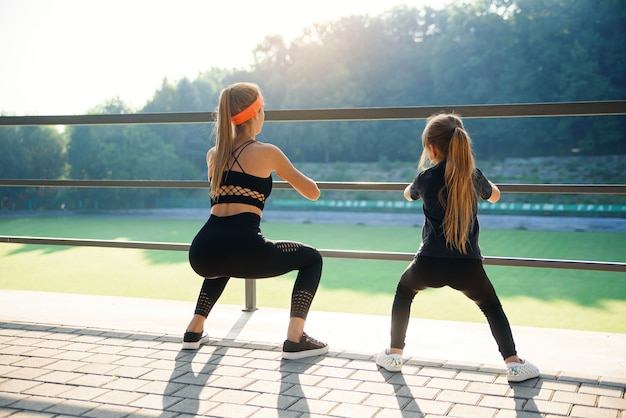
50	368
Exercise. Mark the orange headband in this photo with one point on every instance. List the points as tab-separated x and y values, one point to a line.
249	112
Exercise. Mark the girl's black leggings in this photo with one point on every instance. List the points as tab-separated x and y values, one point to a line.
234	246
465	275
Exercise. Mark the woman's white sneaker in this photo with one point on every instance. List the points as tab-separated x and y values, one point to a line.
389	362
518	372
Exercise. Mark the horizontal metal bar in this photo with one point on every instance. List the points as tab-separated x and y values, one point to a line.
617	107
129	184
599	108
324	185
559	264
79	242
347	254
110	119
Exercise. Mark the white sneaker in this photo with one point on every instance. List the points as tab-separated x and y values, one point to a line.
389	362
518	372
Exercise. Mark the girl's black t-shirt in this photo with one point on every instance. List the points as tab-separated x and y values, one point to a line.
426	186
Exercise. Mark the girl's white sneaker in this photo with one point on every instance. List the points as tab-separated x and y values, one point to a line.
389	362
518	372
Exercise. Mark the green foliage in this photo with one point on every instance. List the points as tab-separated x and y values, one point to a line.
30	152
475	52
479	52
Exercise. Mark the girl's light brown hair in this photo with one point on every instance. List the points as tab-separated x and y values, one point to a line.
233	99
459	197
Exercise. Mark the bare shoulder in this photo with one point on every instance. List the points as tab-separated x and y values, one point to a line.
268	150
266	146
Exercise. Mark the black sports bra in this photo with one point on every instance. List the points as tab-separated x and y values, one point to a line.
241	187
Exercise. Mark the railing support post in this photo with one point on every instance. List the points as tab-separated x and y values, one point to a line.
250	295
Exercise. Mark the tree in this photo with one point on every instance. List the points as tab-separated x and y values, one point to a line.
123	153
31	152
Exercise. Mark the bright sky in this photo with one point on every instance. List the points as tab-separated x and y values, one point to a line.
63	57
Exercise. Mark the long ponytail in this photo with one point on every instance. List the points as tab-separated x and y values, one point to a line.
233	99
459	197
462	197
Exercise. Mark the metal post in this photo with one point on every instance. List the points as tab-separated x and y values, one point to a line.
250	295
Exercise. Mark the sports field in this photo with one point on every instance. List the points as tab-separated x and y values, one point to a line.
583	300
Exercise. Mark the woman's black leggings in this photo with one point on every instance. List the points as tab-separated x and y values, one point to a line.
465	275
234	246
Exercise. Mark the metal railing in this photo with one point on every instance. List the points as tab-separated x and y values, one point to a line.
398	113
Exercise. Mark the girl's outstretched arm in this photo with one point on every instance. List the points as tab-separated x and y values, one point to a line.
495	193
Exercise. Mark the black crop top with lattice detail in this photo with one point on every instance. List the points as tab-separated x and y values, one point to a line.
238	187
241	187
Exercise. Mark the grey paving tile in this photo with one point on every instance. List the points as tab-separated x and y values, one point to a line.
575	398
462	411
601	390
123	383
158	387
386	402
112	411
27	373
193	407
233	411
465	398
72	407
59	376
313	406
47	389
347	396
425	407
548	407
412	380
35	403
308	392
354	411
231	382
269	387
17	385
157	402
486	388
338	383
441	383
84	393
417	392
65	365
612	403
376	387
438	372
25	414
501	402
271	375
117	397
273	400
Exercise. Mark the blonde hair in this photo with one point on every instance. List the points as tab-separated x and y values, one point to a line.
447	134
233	99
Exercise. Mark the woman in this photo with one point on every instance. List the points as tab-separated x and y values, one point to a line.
449	254
231	244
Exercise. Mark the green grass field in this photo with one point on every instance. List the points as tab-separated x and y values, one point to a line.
583	300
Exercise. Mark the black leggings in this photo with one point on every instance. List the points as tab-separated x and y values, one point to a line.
233	246
465	275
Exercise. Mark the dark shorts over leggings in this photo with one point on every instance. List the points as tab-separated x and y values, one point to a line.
465	275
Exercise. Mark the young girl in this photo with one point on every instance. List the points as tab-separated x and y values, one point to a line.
449	254
231	244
